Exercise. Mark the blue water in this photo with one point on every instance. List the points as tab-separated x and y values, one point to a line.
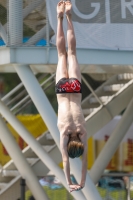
1	42
42	42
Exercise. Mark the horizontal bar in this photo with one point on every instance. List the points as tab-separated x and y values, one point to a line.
38	55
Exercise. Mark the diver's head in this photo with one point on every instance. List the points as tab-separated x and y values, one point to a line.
75	147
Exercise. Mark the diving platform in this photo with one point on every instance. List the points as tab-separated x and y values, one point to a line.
44	60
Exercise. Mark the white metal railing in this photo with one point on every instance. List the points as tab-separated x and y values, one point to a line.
26	100
92	91
95	95
12	92
27	103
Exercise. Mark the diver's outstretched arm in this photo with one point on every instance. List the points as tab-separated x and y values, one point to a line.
84	168
65	158
63	144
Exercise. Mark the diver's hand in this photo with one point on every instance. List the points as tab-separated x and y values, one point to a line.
74	187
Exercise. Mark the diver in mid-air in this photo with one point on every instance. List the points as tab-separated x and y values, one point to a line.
71	123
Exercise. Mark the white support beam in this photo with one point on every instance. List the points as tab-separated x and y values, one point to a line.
12	92
92	91
40	152
41	169
20	162
88	58
5	56
10	173
116	106
50	118
112	144
15	184
96	70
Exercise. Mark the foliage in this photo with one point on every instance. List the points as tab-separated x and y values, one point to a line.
27	31
3	15
54	194
64	195
11	80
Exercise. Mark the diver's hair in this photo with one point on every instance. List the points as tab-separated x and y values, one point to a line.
75	148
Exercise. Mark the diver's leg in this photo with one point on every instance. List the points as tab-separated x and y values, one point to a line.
61	71
74	70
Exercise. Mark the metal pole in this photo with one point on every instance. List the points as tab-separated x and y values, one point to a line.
91	89
112	144
20	162
128	189
20	93
90	190
22	107
40	100
22	184
47	27
15	22
18	96
12	92
38	149
50	118
95	95
29	102
47	33
28	96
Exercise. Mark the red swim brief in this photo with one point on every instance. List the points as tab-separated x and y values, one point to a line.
68	85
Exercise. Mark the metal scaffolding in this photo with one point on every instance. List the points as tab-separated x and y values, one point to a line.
20	162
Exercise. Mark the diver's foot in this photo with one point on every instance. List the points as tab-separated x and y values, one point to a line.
60	9
68	8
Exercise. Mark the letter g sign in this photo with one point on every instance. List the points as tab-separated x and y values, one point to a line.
86	16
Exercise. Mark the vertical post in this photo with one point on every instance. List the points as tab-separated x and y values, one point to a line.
20	162
50	118
22	184
47	33
128	189
15	22
47	28
112	144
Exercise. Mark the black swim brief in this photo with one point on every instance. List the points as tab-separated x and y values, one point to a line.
68	85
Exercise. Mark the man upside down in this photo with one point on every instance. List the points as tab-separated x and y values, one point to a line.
71	123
